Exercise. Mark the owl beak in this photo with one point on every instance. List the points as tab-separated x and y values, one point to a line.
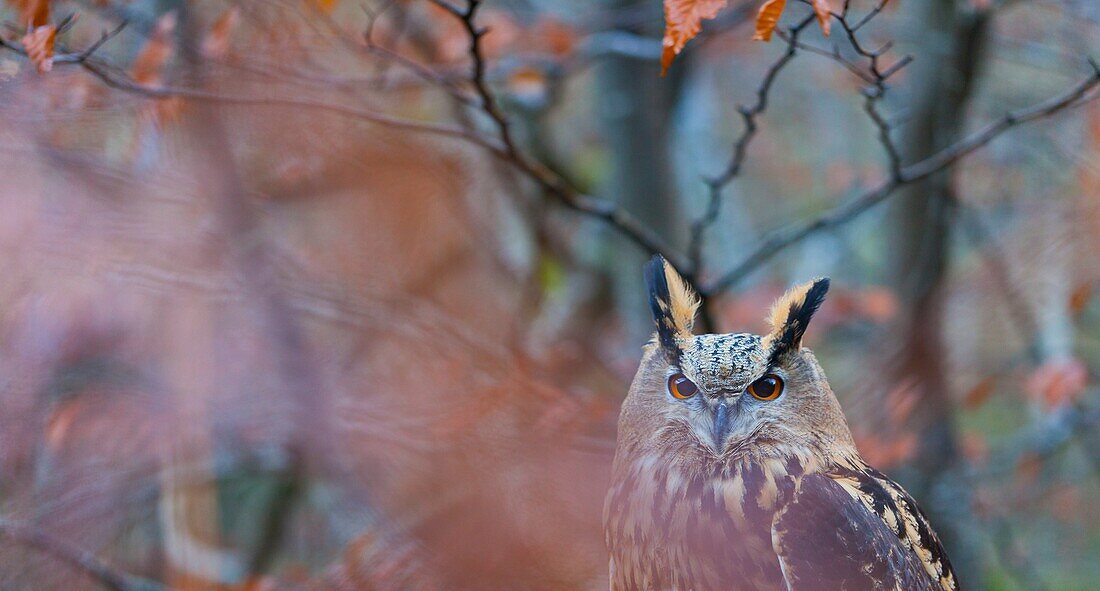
721	423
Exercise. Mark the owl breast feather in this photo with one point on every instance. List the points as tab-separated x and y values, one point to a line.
710	530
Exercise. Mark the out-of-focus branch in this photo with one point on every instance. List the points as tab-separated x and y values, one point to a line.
118	80
77	558
786	237
549	182
560	191
420	70
877	91
502	147
749	114
873	74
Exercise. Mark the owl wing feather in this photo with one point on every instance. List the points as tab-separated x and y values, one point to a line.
857	530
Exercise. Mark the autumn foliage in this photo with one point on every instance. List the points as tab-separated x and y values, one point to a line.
325	295
684	20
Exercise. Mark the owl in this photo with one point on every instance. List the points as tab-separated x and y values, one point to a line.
735	469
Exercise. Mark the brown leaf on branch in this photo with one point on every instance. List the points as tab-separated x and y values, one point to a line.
767	19
39	45
683	21
822	11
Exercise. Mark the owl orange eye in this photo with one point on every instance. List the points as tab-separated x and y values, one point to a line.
768	387
680	387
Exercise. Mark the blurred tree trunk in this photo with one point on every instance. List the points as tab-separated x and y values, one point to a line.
635	104
950	39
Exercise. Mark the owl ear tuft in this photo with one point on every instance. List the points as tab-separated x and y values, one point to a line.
673	303
791	314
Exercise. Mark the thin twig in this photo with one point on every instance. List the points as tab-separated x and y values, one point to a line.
113	79
912	173
871	74
551	183
875	93
749	114
420	70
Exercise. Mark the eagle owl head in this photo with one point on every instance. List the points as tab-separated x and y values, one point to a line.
735	468
724	395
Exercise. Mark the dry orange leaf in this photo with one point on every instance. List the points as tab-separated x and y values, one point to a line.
683	21
768	18
39	45
821	11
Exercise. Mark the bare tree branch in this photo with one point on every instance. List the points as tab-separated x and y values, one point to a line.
503	147
120	81
551	183
872	74
749	114
559	190
786	237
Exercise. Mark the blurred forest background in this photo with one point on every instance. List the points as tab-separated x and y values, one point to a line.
332	294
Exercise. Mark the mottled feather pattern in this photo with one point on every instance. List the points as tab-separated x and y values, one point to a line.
899	511
716	360
709	527
764	524
865	528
